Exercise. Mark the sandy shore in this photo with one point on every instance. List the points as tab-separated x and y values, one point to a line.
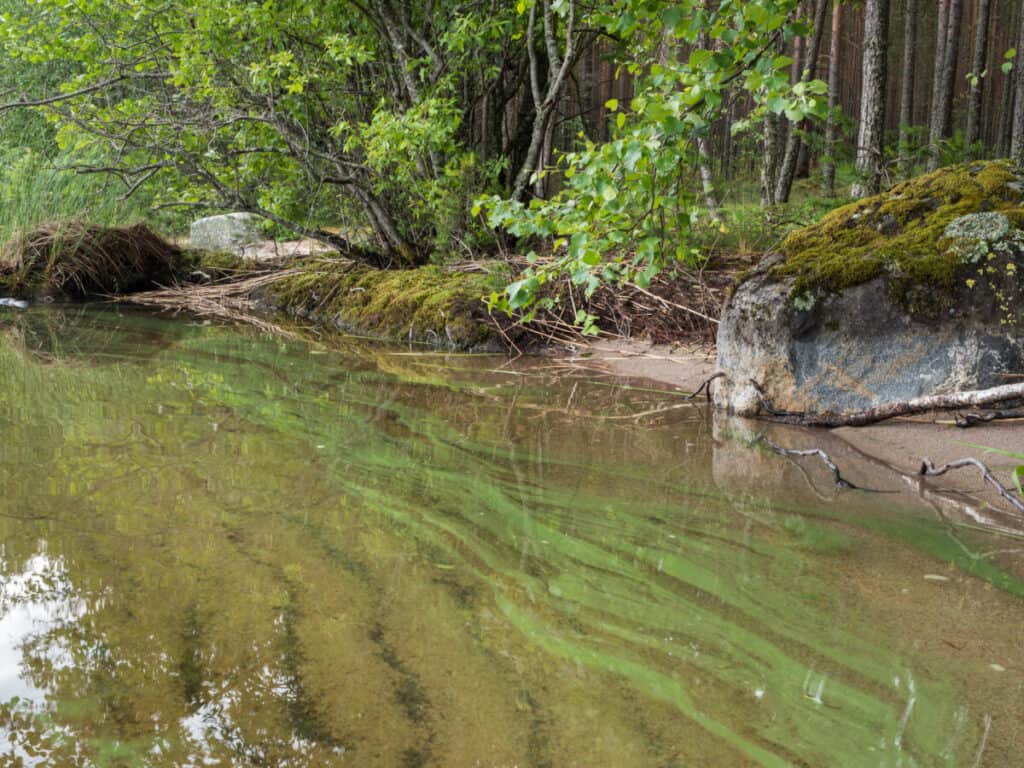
899	444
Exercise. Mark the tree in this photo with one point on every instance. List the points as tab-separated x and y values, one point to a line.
1017	135
809	71
829	166
907	86
947	51
977	74
872	113
625	206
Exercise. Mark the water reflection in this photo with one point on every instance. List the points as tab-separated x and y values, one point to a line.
253	552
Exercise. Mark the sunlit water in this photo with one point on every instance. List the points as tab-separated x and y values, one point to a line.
221	548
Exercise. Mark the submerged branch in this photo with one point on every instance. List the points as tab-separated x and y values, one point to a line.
840	481
928	469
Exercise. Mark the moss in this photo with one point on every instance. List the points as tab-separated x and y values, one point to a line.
426	304
902	234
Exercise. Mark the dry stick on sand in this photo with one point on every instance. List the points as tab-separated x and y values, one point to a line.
971	398
930	470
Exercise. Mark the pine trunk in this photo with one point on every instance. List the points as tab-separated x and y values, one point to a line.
872	110
1017	136
787	171
935	112
907	87
829	164
978	68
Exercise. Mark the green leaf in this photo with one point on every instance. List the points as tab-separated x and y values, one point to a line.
612	105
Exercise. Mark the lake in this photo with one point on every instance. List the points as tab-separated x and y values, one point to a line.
224	548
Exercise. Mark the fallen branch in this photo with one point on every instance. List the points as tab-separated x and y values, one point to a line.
965	420
971	398
930	470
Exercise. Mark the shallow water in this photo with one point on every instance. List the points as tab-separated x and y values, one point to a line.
220	548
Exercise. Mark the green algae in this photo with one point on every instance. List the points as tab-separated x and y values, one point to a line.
901	234
427	304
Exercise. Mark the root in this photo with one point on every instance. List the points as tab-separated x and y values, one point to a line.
928	469
706	386
965	420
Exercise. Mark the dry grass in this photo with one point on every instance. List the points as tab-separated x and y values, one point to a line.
231	299
82	259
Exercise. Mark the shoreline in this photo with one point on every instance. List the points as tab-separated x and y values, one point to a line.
899	444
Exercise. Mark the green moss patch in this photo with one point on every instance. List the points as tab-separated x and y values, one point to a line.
901	233
428	304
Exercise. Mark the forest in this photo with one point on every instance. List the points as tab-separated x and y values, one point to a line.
612	140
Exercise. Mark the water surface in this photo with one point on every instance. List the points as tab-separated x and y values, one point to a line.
221	548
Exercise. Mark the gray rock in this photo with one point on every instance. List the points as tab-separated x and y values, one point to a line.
864	347
230	232
14	303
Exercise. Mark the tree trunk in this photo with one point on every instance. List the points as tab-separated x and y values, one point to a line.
978	83
707	179
770	164
1017	135
907	86
942	108
787	170
829	166
872	110
1004	127
934	112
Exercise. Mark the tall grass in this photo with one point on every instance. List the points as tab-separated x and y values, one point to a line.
37	186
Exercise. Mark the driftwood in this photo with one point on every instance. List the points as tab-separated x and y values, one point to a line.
969	399
930	470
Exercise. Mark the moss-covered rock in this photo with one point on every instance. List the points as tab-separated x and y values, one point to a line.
427	304
902	235
911	293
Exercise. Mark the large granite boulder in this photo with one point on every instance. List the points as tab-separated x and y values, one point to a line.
228	233
911	293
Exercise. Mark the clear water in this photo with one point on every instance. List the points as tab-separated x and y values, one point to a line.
220	548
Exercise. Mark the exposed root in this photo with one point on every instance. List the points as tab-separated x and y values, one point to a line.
928	469
965	420
705	387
